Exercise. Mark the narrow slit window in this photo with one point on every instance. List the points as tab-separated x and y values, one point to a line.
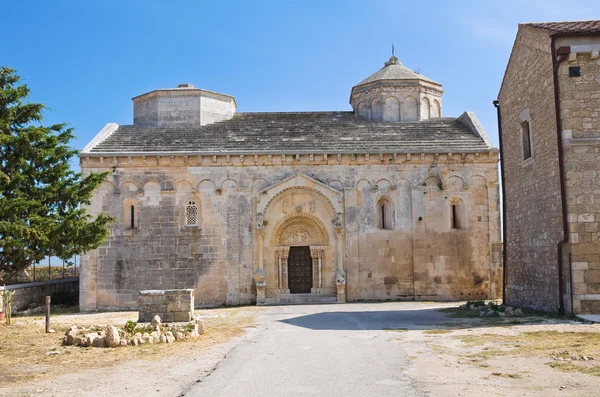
191	214
132	209
526	138
383	225
454	218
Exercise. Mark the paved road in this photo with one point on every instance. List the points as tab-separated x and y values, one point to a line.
322	350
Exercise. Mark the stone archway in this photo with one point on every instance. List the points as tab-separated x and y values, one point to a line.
294	231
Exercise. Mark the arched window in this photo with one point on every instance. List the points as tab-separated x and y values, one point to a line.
191	213
130	214
384	214
457	215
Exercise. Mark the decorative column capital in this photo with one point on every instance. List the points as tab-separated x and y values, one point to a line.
260	232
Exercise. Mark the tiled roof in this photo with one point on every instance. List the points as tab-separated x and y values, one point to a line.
394	70
566	28
306	132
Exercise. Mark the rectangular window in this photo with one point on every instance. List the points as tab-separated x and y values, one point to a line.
526	139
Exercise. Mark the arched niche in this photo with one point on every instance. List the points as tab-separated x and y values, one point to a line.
454	184
376	110
425	109
391	111
409	109
436	109
152	193
363	110
384	184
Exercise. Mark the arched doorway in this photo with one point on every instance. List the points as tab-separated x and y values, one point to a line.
300	270
300	241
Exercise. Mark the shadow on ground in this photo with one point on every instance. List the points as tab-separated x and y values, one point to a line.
419	319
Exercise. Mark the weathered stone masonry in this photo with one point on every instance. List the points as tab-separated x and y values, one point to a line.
534	217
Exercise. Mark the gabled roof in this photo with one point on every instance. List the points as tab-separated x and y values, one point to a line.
296	133
568	28
394	70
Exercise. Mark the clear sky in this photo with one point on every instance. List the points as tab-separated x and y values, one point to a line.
86	59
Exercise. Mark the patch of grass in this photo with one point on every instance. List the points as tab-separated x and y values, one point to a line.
23	346
540	343
439	349
437	331
395	329
575	367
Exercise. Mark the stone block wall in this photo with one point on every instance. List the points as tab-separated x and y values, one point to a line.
580	107
421	257
32	295
175	305
533	202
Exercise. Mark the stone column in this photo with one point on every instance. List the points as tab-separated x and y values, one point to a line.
284	271
340	275
260	276
321	253
260	235
314	254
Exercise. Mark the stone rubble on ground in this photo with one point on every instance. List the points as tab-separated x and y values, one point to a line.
493	310
110	336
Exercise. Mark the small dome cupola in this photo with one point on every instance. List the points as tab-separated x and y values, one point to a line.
396	93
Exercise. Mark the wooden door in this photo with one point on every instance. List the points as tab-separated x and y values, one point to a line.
299	270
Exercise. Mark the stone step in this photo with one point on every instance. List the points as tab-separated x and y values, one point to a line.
300	299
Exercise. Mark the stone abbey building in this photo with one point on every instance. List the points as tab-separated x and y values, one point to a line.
387	201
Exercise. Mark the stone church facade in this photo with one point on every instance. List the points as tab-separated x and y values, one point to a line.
387	201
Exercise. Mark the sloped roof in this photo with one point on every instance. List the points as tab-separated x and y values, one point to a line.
394	70
567	28
296	133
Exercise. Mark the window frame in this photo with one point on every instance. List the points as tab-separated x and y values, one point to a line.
191	203
385	220
526	135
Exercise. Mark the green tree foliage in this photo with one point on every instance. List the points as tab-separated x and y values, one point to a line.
42	200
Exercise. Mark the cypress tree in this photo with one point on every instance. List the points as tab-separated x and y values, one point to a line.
42	200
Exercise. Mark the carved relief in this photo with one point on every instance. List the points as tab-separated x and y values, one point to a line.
300	229
284	271
312	206
299	236
285	205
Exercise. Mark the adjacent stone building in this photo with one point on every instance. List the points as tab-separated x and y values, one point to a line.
387	201
549	106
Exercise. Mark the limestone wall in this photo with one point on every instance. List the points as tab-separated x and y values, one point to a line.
173	305
533	205
580	104
421	256
32	295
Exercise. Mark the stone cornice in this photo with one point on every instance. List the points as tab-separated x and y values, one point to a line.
96	160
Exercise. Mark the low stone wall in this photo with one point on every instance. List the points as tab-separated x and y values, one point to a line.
31	295
171	305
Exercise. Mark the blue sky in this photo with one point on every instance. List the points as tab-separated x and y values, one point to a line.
87	59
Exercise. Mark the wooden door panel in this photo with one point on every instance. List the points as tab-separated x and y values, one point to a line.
299	270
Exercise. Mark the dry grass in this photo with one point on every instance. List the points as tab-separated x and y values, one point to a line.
24	345
437	331
542	344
